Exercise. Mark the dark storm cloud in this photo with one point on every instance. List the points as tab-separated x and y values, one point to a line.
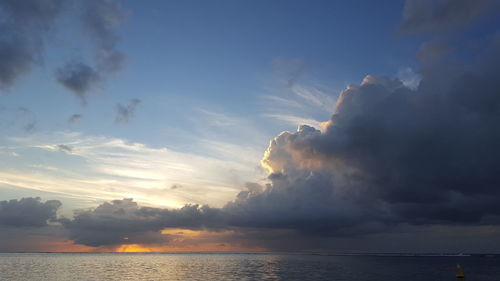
29	225
390	156
23	25
124	222
427	156
443	15
28	212
124	113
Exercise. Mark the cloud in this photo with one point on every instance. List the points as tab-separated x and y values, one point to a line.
23	26
305	106
99	19
124	113
444	15
394	158
28	117
109	168
18	117
292	68
315	97
30	225
74	118
38	14
28	24
28	212
392	155
409	78
124	222
16	59
295	120
78	77
64	148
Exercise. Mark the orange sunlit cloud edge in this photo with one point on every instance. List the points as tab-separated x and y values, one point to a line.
182	240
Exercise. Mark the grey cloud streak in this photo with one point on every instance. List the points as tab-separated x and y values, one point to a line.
74	118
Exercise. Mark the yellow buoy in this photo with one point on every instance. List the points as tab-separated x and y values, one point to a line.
460	272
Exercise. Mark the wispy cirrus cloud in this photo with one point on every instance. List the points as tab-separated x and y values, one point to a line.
295	120
299	105
105	168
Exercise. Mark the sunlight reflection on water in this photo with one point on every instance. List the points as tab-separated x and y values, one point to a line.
193	266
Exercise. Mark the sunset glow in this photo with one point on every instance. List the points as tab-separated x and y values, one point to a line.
249	126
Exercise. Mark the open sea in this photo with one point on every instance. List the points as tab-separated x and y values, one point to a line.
242	266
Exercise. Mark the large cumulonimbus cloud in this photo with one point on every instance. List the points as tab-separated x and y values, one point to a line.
389	156
26	25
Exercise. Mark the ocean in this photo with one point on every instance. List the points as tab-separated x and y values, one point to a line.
242	266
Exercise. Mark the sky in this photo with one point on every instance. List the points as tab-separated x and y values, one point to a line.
324	126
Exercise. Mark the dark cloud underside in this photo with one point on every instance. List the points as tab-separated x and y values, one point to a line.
28	212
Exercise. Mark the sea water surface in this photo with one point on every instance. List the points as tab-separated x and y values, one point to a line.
242	266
